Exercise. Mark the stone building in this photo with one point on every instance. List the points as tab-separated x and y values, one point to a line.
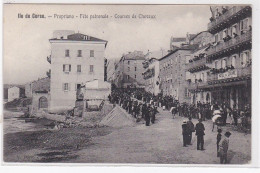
75	59
129	70
15	92
173	74
228	59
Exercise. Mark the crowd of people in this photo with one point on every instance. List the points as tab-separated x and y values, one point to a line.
137	102
143	105
131	101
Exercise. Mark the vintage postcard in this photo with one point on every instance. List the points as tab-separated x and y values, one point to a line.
127	84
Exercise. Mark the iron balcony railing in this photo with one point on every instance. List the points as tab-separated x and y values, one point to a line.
239	72
197	63
230	43
232	11
197	85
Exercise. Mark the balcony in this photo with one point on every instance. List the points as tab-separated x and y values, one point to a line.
228	18
49	59
230	75
196	64
196	86
230	45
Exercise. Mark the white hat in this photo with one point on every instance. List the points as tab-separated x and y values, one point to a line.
184	121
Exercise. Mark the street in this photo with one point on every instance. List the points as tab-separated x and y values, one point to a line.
162	143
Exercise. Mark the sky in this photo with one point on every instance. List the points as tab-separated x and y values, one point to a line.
26	40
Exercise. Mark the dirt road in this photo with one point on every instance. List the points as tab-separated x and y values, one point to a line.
161	143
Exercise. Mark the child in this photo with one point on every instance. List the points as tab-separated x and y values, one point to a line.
218	140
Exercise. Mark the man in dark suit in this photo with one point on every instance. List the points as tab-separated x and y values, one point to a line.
200	134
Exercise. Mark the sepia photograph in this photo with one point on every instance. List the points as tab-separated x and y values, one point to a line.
127	84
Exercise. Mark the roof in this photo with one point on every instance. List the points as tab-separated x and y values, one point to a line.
136	55
134	58
178	39
195	35
172	52
97	84
12	86
80	37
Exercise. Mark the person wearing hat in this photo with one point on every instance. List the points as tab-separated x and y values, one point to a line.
223	148
199	128
185	133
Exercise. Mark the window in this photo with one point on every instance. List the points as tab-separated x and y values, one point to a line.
66	68
225	33
216	38
91	68
127	77
234	30
66	87
187	58
92	53
135	76
77	86
216	64
233	61
78	68
223	63
244	58
128	62
67	53
244	24
79	53
202	76
187	75
135	68
128	68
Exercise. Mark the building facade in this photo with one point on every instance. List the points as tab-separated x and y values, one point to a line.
75	59
151	76
227	61
15	92
173	74
128	71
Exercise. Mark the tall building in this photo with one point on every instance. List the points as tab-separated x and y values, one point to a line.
152	70
75	59
151	75
128	71
173	74
197	68
228	59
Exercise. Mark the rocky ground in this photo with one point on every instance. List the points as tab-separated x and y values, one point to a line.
158	143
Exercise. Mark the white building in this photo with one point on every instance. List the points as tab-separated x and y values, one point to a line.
151	76
75	59
15	93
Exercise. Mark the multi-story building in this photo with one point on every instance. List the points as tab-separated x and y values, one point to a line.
173	74
152	70
129	70
197	68
75	59
151	75
229	57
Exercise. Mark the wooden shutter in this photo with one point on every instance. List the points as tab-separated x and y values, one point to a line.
63	67
69	68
